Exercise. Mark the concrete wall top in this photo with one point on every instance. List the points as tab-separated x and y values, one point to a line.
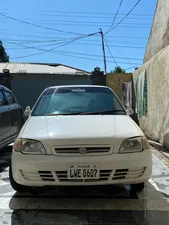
32	68
159	35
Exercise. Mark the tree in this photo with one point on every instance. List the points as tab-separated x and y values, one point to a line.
118	69
3	55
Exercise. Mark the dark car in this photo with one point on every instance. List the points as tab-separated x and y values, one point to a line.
11	117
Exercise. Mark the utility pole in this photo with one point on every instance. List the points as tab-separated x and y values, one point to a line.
104	54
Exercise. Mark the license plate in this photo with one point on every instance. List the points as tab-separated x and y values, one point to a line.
83	172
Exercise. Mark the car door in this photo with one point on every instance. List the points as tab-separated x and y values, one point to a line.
5	121
16	113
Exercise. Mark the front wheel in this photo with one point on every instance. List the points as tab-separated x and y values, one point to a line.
17	187
137	187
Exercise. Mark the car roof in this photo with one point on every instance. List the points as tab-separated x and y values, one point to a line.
4	88
79	85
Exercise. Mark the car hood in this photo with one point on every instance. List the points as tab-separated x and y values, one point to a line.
81	129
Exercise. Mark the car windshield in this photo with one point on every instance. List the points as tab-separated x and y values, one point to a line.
77	100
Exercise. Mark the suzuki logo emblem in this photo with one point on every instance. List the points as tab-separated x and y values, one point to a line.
82	151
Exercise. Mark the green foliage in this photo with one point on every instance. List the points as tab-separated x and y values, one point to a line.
118	69
3	55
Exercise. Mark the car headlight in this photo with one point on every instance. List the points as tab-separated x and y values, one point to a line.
137	144
27	146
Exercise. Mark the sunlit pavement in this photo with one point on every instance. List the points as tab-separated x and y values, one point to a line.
82	206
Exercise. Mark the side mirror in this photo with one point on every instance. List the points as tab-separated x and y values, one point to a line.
129	110
27	111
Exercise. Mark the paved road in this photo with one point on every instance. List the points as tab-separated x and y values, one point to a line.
86	206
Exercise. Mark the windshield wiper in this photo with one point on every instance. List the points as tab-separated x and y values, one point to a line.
63	114
87	113
104	111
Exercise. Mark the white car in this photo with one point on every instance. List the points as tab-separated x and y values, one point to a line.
79	135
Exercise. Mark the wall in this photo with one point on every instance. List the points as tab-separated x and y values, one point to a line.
98	78
114	81
27	88
159	36
156	123
5	80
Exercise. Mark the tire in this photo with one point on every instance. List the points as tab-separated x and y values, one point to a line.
137	187
17	187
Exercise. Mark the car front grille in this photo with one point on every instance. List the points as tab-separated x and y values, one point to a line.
128	173
61	176
38	176
46	176
82	150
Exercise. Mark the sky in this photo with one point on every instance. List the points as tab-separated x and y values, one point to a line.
57	32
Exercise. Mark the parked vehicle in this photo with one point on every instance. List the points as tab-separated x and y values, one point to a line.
11	117
80	135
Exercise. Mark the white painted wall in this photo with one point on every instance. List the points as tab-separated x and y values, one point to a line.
156	123
159	36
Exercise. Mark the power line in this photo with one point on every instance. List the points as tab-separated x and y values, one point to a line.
93	59
92	44
129	25
74	53
49	50
158	55
66	54
134	44
60	41
120	52
123	56
33	47
85	54
28	35
36	25
89	23
121	1
92	16
125	16
87	15
130	68
86	22
79	57
110	52
94	13
130	37
95	55
33	41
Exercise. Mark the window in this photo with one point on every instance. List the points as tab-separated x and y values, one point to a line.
77	100
2	99
9	97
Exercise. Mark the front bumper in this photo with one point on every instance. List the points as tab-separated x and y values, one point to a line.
50	170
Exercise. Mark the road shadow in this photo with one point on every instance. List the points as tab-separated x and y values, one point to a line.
67	205
5	158
89	205
79	217
98	192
